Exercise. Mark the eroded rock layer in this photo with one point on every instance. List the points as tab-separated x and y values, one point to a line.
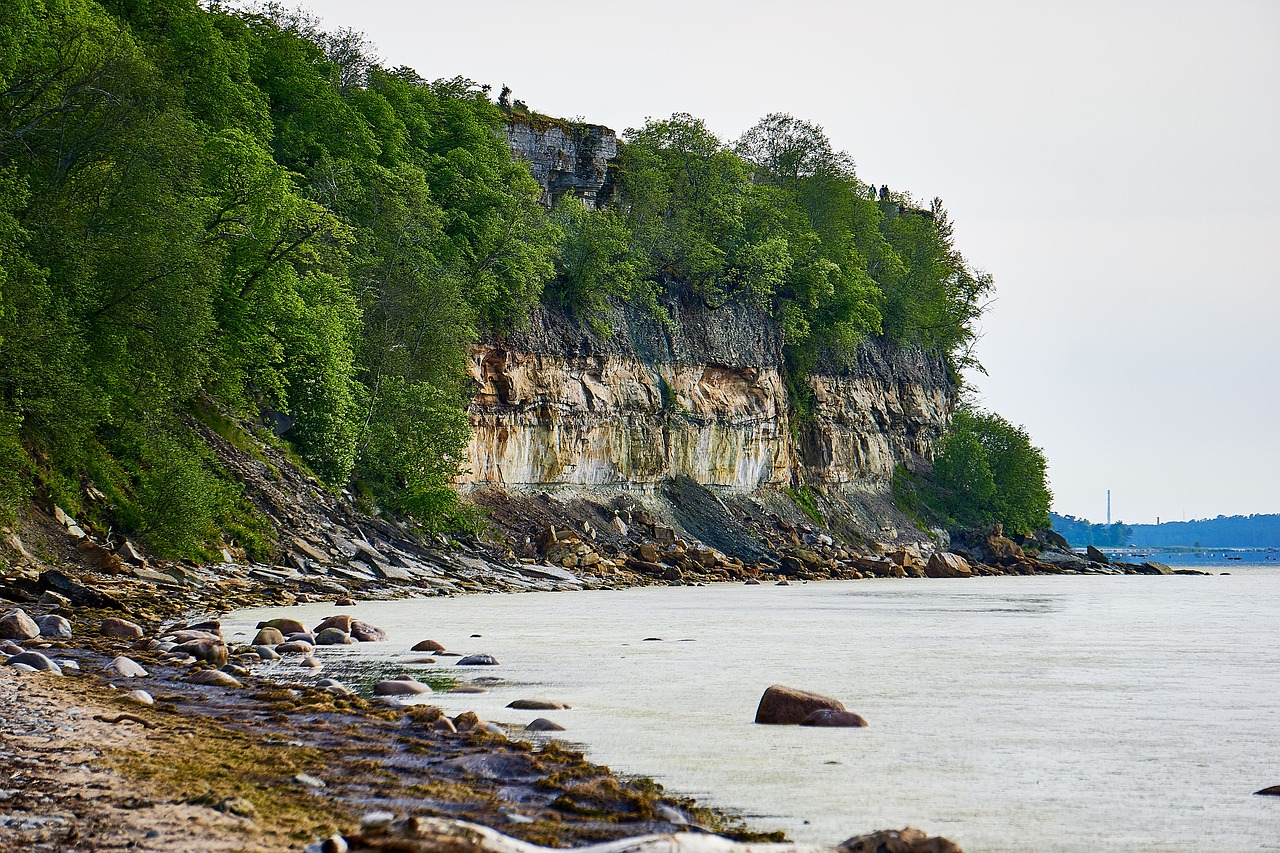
559	406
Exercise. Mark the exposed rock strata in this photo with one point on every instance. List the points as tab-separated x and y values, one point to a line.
560	408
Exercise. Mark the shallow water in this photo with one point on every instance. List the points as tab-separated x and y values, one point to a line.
1009	714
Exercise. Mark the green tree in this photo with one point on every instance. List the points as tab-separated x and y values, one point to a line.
988	472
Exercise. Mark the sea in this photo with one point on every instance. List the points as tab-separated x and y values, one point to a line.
1046	713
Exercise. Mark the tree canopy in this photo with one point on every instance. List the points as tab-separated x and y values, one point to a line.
205	209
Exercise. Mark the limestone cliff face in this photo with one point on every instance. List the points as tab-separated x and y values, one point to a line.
558	407
565	157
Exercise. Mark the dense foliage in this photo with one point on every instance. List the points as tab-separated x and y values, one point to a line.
206	210
987	473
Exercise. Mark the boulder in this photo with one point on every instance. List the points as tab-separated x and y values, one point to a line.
284	626
542	724
1154	568
1273	791
333	637
214	678
341	621
122	628
787	706
400	687
478	660
295	647
538	705
268	637
36	661
139	697
17	625
906	840
468	720
345	602
946	565
825	717
1093	555
126	668
428	646
1002	551
210	651
54	626
365	633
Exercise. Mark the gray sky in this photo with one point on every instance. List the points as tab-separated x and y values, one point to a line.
1113	164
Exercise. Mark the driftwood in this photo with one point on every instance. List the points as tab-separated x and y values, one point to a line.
437	835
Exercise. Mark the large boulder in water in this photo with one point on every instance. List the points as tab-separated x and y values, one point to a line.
284	626
787	706
906	840
365	633
1093	555
947	565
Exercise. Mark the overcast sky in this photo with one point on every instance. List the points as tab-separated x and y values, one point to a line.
1115	165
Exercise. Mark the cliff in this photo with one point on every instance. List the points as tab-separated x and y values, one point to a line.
559	409
687	425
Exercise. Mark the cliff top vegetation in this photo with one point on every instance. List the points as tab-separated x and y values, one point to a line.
210	212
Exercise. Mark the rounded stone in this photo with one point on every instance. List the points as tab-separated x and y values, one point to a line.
284	626
428	646
539	705
54	626
333	637
296	647
400	687
365	633
478	660
126	668
783	706
122	628
36	661
268	637
341	621
140	697
213	678
17	625
542	724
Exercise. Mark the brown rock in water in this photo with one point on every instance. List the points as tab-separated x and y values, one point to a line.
542	724
365	633
213	678
17	625
944	565
209	651
1273	791
906	840
400	687
345	602
787	706
284	626
341	621
428	646
268	637
538	705
123	628
827	718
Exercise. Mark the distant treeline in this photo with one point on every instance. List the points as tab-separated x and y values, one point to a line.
1236	531
1080	532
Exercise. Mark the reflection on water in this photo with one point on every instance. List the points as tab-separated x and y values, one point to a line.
1046	713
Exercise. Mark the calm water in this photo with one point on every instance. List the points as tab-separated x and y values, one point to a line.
1046	713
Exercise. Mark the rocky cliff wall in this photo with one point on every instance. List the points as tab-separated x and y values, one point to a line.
560	409
564	157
